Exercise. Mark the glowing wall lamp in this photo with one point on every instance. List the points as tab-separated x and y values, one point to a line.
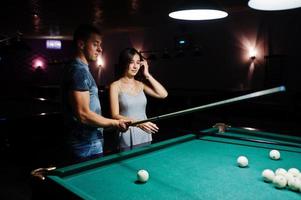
100	61
38	63
273	5
252	53
100	66
197	10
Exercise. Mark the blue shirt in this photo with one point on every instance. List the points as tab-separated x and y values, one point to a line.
77	77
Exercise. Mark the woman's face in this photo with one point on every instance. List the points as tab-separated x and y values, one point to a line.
134	66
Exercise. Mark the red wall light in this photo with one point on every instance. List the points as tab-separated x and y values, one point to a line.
38	63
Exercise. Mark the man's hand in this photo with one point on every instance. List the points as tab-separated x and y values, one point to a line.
123	124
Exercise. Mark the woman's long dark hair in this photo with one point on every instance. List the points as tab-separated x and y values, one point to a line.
125	57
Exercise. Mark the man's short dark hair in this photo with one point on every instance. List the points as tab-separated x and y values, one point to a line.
84	31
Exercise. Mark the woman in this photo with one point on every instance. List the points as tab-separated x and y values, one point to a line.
128	100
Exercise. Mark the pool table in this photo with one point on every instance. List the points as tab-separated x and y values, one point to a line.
198	165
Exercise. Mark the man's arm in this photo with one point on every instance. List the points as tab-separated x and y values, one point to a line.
80	105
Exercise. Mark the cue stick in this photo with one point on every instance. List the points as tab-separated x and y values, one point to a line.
219	103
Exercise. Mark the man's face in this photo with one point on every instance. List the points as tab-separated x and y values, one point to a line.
92	47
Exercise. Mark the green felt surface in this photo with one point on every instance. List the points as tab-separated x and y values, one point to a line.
202	168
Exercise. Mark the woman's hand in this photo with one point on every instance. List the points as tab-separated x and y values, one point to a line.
145	70
149	127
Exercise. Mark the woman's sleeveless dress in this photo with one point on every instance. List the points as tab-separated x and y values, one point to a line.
134	107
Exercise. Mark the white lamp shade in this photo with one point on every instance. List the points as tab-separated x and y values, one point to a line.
274	5
198	14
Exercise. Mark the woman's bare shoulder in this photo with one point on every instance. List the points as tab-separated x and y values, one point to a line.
115	83
140	85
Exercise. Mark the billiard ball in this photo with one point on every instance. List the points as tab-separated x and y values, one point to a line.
294	184
279	181
281	171
242	161
289	176
268	175
275	154
294	171
142	176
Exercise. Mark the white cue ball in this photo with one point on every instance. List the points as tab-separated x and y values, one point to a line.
294	171
268	175
275	154
281	171
142	176
242	161
279	181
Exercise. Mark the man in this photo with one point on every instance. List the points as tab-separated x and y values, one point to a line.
81	105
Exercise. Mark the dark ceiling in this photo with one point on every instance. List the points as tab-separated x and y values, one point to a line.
60	17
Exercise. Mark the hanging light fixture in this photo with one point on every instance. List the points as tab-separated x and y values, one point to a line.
197	10
274	5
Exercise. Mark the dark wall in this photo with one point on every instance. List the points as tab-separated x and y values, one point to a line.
222	61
